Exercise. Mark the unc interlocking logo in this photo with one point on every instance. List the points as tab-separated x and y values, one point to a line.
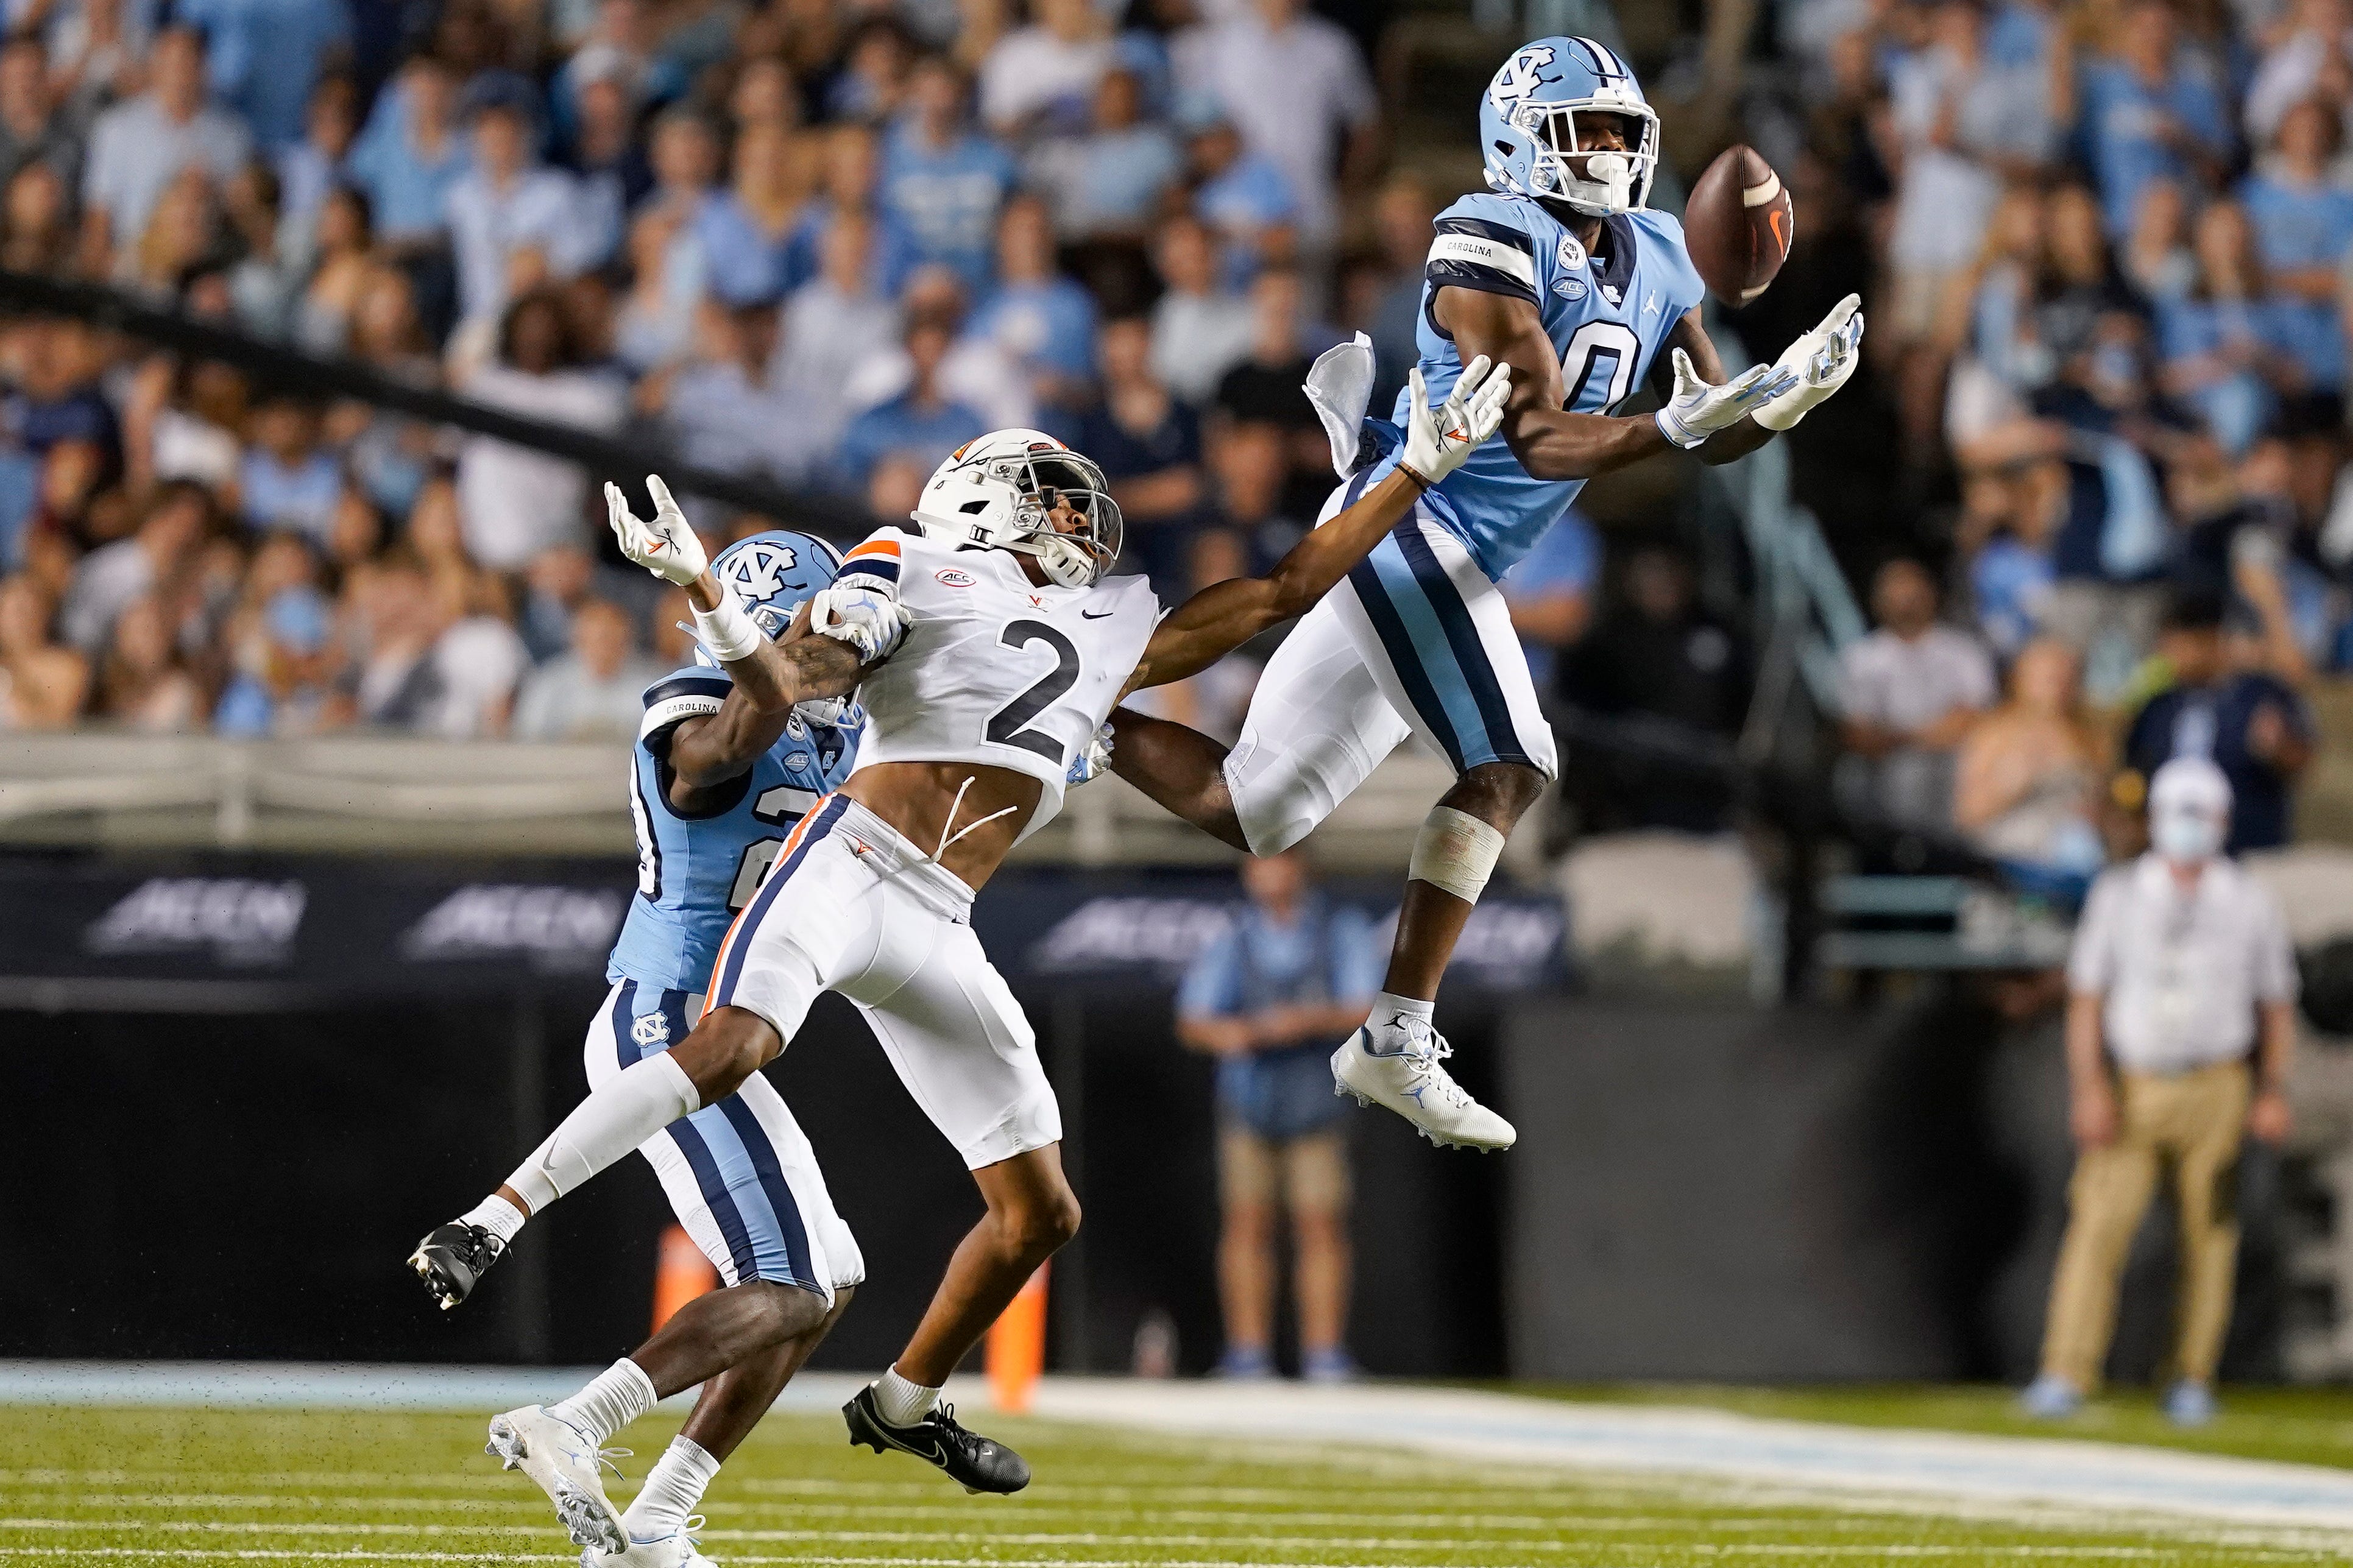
651	1029
757	570
1520	78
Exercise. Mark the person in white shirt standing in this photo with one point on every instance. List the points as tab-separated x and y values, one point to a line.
1910	692
1296	88
2181	1023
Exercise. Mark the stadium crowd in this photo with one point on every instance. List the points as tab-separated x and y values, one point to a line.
2117	273
2104	244
820	242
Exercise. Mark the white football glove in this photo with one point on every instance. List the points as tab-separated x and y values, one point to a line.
1822	360
1699	410
871	622
1092	762
1436	443
668	546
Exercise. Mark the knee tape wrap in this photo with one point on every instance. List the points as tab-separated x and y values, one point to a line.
1455	852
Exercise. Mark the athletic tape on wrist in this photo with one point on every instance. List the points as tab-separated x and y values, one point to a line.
1455	853
728	631
1678	434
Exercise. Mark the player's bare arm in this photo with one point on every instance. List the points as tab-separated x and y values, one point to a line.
716	747
1552	443
1224	615
767	676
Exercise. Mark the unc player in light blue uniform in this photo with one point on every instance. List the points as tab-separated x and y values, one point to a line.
1561	271
713	805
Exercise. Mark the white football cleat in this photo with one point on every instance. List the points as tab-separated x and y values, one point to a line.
1410	1080
553	1454
677	1550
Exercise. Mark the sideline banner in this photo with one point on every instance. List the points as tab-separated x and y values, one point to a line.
346	926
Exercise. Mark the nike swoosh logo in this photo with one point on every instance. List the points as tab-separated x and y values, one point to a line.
1091	616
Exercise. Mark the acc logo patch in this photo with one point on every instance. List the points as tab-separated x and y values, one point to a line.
1572	255
651	1029
796	761
757	570
1570	287
955	577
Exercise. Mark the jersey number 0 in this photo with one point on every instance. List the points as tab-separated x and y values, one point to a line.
1598	367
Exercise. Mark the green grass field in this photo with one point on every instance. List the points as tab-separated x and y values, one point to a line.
2305	1426
113	1486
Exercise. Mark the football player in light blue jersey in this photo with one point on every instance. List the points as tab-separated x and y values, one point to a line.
1562	272
716	791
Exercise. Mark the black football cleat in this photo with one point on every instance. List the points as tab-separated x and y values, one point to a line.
452	1259
978	1464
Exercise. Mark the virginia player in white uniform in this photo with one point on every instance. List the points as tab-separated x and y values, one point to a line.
713	794
1564	274
988	651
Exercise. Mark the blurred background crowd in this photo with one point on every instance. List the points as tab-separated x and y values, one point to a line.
2092	483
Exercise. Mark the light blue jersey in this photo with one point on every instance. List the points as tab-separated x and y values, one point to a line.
1608	316
694	871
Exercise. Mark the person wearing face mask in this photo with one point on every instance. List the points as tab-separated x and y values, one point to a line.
2180	1024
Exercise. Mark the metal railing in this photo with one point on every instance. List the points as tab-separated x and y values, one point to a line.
399	794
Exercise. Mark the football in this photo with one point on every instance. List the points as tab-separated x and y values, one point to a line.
1738	223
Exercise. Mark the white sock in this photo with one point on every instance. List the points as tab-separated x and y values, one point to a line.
633	1105
902	1404
1393	1016
613	1397
672	1488
498	1216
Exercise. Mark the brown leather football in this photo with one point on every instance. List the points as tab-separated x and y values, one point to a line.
1737	224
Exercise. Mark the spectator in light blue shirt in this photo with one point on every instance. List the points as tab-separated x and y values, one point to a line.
1041	320
851	169
921	423
411	155
507	202
1550	593
2151	110
286	480
263	55
1111	181
313	166
943	181
1269	999
287	690
743	228
2304	225
141	144
1244	198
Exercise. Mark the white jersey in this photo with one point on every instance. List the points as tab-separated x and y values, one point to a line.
994	668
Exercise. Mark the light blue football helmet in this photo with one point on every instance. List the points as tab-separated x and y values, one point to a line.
774	573
1528	128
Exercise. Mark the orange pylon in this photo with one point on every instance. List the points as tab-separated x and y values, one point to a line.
1016	1346
681	1274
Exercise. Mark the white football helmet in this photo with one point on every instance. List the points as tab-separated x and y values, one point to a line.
1001	492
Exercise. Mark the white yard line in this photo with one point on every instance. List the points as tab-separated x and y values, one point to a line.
2054	1554
1123	1538
1773	1462
1855	1462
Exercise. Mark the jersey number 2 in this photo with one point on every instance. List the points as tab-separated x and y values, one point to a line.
1005	726
1598	367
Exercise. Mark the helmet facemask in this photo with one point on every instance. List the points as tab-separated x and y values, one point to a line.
1018	490
1614	181
1079	553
